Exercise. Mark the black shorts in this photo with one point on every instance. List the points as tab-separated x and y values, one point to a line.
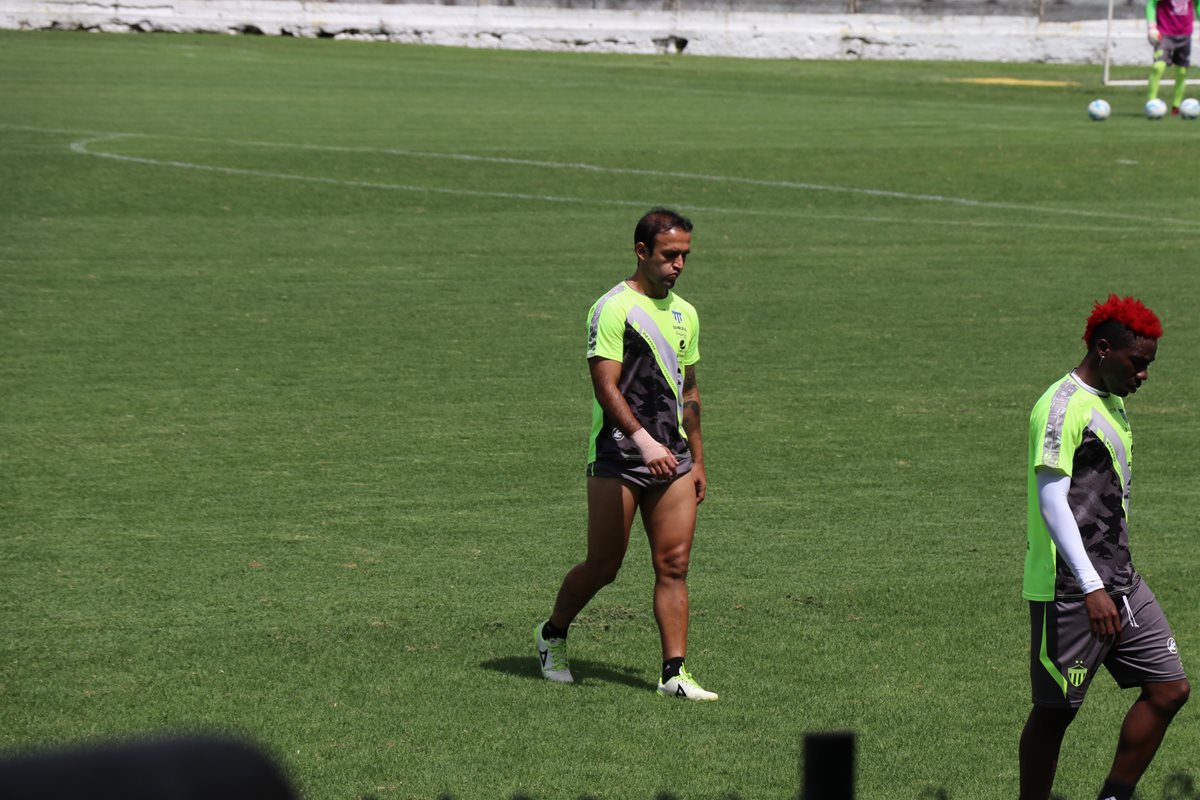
1065	656
1175	50
636	472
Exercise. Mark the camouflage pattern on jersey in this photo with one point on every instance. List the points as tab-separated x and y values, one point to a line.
1084	434
654	339
652	400
1097	501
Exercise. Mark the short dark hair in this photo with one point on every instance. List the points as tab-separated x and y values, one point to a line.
1119	320
656	221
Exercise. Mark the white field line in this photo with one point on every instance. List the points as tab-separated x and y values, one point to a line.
82	147
777	184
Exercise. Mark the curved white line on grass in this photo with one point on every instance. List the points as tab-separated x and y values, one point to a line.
582	166
777	184
82	148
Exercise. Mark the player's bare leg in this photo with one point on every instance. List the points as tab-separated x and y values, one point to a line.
1144	728
611	505
670	519
1040	743
669	515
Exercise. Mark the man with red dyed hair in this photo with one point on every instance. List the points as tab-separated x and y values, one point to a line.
1088	605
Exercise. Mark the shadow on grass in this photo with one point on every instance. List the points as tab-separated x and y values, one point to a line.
585	671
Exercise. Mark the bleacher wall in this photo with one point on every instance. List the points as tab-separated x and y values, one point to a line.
989	31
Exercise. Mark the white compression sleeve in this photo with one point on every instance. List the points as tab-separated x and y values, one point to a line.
1052	500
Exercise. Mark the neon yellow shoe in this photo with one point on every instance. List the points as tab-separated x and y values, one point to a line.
684	686
552	657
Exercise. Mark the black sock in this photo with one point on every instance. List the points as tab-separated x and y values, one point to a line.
1120	791
551	632
671	668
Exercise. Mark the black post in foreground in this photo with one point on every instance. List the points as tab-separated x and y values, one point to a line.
828	766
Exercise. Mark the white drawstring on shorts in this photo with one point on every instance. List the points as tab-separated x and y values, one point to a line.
1129	611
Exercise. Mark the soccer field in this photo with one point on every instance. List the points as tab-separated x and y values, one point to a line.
294	409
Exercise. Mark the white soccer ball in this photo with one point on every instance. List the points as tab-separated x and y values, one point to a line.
1099	110
1156	109
1190	108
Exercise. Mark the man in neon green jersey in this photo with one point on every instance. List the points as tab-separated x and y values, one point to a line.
1169	28
1088	605
645	452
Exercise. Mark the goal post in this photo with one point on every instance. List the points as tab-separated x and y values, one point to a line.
1108	45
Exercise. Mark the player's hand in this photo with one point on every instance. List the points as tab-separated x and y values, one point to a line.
660	461
1154	36
701	481
664	467
1103	615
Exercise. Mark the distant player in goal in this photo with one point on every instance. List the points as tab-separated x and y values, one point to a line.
1169	28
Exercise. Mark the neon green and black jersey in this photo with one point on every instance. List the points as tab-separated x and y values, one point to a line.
654	340
1085	434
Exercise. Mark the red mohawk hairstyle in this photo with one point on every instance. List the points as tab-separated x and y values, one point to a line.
1129	312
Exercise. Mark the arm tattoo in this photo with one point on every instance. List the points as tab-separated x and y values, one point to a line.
689	378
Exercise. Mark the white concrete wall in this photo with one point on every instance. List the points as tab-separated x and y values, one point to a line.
752	35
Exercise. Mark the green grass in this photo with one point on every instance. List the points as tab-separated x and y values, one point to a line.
292	449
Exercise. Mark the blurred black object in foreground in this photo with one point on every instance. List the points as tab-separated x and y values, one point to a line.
192	768
828	766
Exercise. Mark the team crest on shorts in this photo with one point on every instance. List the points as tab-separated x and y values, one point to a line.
1171	646
1077	674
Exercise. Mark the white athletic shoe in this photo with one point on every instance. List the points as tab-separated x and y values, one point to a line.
552	656
684	686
